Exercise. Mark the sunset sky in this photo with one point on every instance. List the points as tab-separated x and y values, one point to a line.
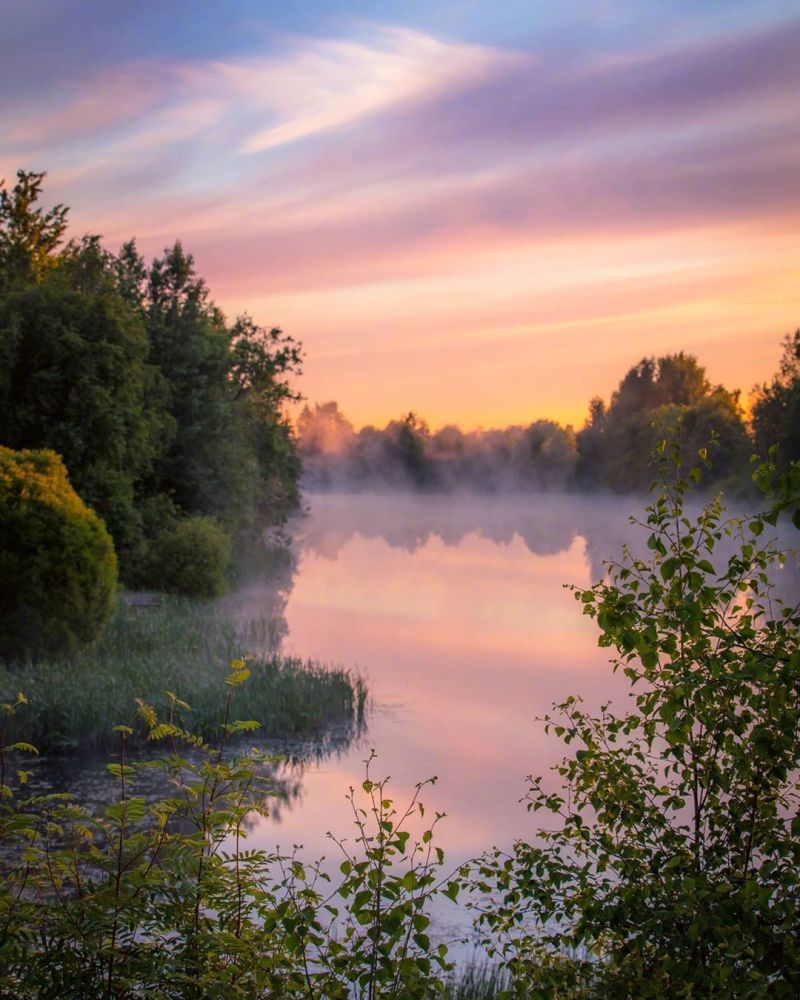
484	212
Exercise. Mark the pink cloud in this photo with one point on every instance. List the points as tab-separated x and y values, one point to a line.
116	96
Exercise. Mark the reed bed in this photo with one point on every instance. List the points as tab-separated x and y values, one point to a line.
478	980
186	648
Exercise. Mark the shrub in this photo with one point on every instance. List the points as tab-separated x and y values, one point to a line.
159	896
191	558
58	569
668	864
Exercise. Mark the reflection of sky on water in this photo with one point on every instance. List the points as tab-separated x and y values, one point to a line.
454	608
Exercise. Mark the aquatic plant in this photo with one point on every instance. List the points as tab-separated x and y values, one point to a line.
180	646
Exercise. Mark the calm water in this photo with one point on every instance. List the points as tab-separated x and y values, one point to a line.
455	610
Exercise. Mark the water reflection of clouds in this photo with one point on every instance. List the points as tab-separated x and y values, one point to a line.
455	610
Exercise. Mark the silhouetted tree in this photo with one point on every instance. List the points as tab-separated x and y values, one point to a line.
776	408
658	397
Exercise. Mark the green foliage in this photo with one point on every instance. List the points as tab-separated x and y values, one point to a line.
191	558
776	409
158	895
77	381
653	400
28	236
545	458
58	571
178	646
670	868
134	376
232	455
478	981
406	443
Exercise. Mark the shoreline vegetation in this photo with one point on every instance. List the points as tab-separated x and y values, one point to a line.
185	647
666	866
669	397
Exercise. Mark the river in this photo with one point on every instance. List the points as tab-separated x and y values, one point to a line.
455	610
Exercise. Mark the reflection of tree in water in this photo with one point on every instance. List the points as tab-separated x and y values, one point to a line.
410	522
546	523
265	568
87	779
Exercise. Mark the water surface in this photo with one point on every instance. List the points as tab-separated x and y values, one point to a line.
456	612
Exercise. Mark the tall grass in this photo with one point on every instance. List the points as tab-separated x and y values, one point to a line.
183	647
477	981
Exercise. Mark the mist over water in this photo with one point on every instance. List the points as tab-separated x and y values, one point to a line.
455	610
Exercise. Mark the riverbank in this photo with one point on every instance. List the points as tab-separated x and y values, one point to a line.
184	647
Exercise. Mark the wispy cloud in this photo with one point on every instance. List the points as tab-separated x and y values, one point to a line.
327	182
319	85
262	102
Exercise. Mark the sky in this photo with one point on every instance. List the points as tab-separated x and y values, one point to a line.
484	212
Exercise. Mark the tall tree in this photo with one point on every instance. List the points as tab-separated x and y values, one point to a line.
29	235
776	408
77	381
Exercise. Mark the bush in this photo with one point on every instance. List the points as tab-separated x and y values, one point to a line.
160	897
668	864
58	569
191	558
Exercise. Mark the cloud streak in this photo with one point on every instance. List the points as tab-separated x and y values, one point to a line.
353	169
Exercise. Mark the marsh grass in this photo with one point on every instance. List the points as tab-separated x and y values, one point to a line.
184	647
478	980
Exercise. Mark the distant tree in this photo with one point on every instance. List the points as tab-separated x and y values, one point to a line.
776	408
406	442
324	430
590	443
652	398
546	455
449	442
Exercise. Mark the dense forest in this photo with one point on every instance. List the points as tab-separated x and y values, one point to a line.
665	397
140	428
169	418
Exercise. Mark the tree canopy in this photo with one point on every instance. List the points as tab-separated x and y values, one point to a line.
132	373
776	409
665	397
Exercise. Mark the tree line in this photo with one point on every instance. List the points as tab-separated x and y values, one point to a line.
169	418
666	397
